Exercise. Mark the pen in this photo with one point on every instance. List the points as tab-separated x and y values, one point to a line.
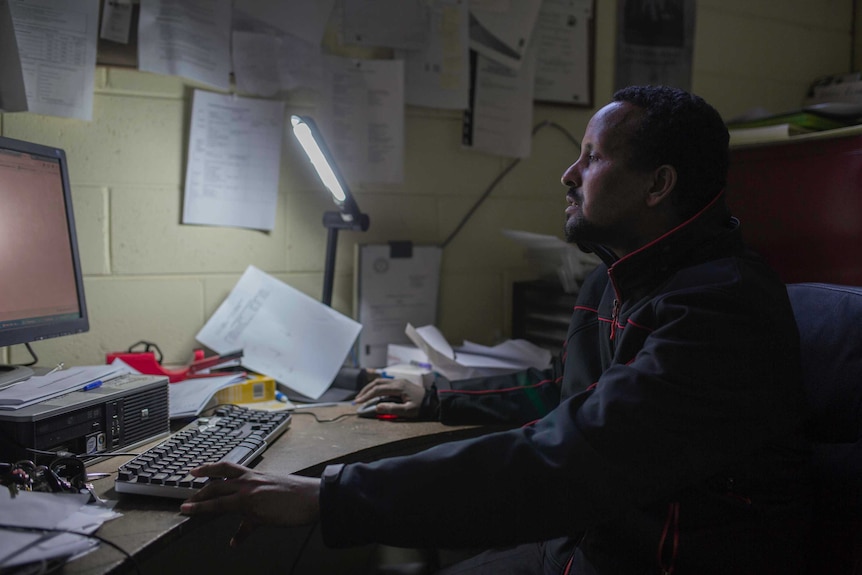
56	369
421	364
92	385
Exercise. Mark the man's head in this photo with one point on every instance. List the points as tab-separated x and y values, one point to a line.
649	160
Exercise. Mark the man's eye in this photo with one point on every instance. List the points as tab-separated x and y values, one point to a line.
592	158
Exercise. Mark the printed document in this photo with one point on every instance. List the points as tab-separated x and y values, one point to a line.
563	52
283	333
57	46
502	31
391	23
188	38
233	161
392	291
305	19
266	64
438	74
500	121
362	119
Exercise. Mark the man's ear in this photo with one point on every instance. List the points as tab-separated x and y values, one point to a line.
664	182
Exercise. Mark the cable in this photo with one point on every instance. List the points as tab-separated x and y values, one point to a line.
318	420
32	354
503	174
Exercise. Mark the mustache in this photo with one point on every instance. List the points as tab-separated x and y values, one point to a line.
573	196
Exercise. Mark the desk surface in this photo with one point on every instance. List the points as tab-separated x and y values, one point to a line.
150	524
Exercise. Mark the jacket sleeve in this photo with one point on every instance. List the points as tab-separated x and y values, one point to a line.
692	402
509	399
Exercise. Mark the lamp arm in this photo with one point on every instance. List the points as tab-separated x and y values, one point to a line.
334	221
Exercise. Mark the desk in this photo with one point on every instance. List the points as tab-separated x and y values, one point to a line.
165	542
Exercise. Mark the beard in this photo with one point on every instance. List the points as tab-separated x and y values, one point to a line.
578	229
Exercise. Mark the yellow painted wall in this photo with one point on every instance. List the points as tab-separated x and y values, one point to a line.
148	277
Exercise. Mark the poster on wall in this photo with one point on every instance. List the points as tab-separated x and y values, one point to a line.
655	42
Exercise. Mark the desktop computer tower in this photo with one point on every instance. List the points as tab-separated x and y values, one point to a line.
124	412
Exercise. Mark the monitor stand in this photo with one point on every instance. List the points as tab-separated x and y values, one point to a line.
12	374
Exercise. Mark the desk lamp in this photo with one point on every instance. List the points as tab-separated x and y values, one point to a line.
348	216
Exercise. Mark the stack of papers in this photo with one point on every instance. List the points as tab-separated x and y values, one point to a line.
49	511
474	360
43	387
188	398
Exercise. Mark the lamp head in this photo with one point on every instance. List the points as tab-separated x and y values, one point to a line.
311	140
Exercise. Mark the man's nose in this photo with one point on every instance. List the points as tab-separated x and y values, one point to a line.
571	178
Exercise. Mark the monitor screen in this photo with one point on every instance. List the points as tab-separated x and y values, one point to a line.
40	272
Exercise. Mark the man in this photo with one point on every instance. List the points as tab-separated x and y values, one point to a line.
671	441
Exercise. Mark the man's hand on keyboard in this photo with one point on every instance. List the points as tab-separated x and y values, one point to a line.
261	499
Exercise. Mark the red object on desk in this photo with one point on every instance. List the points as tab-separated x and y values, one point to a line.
147	363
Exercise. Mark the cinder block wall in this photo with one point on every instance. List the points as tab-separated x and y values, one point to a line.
147	277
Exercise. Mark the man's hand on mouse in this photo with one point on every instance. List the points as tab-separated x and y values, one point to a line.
261	499
410	393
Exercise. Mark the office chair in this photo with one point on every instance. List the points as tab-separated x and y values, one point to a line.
830	327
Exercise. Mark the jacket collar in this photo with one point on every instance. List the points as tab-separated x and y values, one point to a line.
709	234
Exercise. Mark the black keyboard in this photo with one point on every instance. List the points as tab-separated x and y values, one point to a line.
232	433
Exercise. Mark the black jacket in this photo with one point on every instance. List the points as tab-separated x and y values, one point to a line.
675	443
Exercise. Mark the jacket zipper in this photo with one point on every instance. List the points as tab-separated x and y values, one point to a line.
615	315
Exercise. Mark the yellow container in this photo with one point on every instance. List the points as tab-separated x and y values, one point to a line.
254	389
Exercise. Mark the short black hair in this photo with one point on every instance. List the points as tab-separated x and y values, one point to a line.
680	129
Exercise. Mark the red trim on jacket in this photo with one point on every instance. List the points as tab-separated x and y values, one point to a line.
492	391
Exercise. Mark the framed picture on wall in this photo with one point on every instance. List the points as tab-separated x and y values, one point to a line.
565	48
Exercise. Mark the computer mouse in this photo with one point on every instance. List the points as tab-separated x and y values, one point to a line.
369	408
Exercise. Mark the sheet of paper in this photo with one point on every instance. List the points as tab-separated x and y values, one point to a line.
306	19
42	387
502	32
362	118
13	96
563	52
283	333
116	21
392	290
391	23
515	352
188	397
438	74
500	120
57	47
440	354
265	63
255	63
48	510
188	38
233	161
300	64
473	360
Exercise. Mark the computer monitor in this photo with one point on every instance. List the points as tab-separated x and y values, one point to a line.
41	286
